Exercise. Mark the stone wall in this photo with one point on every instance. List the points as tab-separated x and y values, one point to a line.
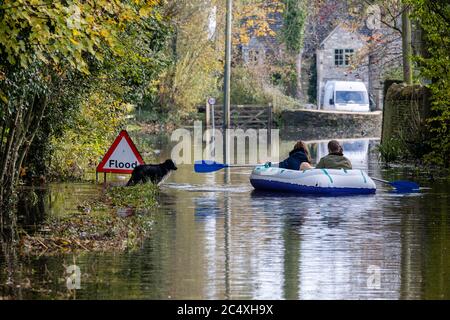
314	124
405	111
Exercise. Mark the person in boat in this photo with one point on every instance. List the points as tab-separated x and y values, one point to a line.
299	158
335	158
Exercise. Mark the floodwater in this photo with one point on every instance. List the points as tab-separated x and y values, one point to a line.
216	238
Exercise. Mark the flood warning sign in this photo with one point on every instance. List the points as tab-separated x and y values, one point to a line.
122	156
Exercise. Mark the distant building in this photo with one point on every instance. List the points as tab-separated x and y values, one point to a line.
261	49
335	59
332	51
255	51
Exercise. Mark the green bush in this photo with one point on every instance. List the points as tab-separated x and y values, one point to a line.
140	196
86	138
391	150
246	88
434	19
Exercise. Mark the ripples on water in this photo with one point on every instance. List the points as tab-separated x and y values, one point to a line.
217	238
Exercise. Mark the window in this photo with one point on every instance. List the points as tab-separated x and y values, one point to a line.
348	56
338	57
342	57
255	56
347	97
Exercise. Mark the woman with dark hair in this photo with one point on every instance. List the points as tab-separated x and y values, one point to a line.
299	158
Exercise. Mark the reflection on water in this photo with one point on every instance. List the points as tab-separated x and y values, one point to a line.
217	238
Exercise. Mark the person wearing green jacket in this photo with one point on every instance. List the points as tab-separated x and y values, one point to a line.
335	158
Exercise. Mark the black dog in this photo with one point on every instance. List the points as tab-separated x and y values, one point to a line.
155	173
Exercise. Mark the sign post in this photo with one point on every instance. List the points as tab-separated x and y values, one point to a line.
212	103
121	157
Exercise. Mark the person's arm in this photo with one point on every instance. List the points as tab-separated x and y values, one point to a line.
283	164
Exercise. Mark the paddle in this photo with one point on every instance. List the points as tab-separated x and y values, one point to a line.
400	184
204	166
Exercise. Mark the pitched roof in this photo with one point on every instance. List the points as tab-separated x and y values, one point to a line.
362	31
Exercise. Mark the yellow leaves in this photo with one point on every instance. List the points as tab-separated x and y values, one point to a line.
157	16
76	33
244	38
256	19
82	67
145	11
104	33
76	27
90	19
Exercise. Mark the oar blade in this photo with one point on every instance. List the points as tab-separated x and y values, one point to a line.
204	166
405	185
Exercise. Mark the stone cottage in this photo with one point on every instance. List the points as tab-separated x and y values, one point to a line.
255	51
335	59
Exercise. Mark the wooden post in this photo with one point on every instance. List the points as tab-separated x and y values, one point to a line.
406	43
269	123
213	122
207	112
213	118
227	76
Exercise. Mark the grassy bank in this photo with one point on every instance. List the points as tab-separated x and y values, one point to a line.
120	219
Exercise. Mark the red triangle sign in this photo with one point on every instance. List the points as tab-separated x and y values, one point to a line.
122	156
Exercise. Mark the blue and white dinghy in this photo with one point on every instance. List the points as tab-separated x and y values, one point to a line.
313	181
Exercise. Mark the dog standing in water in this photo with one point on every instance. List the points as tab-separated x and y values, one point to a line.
155	173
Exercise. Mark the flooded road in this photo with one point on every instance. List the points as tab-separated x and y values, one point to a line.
214	237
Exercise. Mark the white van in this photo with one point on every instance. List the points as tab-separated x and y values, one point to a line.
346	96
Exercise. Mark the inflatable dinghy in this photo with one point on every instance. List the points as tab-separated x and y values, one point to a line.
312	181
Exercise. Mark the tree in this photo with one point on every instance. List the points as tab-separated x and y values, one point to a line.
384	43
406	46
255	18
44	45
294	21
434	19
197	57
271	23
